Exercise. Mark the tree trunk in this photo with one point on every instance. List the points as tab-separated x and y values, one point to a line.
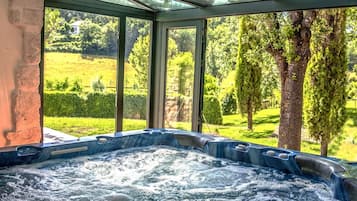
292	72
324	146
180	109
291	107
250	115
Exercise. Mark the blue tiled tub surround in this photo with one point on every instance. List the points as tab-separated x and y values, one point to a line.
343	187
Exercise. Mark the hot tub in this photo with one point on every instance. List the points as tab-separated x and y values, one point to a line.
159	164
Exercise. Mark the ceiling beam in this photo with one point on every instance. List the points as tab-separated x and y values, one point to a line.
100	7
256	7
195	3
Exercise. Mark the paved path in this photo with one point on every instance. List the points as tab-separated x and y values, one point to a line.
50	136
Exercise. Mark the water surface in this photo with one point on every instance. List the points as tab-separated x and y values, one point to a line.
154	173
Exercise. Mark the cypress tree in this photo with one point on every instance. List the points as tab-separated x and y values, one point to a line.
325	86
248	73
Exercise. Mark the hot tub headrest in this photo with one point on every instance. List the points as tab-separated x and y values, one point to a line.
192	140
318	166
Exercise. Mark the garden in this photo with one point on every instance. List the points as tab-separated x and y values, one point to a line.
80	78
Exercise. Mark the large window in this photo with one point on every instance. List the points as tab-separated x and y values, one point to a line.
239	55
81	74
136	73
180	77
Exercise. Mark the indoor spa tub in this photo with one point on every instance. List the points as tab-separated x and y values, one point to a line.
160	164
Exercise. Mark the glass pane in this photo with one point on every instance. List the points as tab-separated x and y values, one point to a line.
166	4
179	78
124	3
219	99
80	62
137	54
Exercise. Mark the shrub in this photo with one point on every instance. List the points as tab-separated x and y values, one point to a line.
135	105
64	104
76	86
212	112
229	102
61	85
101	105
210	87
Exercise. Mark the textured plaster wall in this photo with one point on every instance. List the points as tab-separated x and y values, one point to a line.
20	53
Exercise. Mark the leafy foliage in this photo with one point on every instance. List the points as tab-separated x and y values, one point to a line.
180	72
222	46
139	59
229	101
212	112
100	105
270	76
325	86
134	29
52	23
76	86
249	73
351	38
110	37
185	39
210	85
352	85
91	37
135	105
64	104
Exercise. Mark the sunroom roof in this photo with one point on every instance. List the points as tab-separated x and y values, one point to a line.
179	10
167	5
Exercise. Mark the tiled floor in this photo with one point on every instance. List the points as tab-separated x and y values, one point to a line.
51	136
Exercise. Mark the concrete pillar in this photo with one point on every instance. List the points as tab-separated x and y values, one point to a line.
20	102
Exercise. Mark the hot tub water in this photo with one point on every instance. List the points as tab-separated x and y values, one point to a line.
154	173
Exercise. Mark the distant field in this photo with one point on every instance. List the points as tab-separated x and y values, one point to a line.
59	66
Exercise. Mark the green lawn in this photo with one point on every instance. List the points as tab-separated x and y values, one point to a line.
79	127
234	126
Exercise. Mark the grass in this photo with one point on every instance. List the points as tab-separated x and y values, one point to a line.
80	127
267	121
234	127
59	66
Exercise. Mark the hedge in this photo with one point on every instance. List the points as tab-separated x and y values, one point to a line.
101	105
64	104
229	102
212	112
135	106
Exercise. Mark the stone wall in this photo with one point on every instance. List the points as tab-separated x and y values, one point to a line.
20	36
